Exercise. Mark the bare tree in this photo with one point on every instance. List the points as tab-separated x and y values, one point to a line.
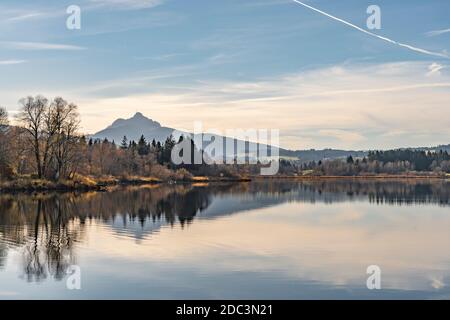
32	118
4	143
3	118
63	125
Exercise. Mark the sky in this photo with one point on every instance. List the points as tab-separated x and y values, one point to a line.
311	69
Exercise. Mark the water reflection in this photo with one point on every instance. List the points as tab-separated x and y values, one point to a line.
47	226
46	229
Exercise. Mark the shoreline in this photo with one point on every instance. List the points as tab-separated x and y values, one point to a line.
102	185
374	177
42	186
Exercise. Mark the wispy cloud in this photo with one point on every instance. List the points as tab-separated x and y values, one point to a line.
412	48
38	46
19	14
162	57
26	16
267	3
435	69
437	32
11	62
127	4
347	102
48	12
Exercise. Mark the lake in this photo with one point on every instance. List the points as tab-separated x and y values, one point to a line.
260	240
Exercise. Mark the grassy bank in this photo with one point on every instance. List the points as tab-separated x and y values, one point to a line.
79	183
83	183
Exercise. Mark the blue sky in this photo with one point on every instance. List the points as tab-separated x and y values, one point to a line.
235	64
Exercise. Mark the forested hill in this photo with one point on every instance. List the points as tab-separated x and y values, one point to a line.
316	155
445	147
139	125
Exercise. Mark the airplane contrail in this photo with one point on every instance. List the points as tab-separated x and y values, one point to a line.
431	53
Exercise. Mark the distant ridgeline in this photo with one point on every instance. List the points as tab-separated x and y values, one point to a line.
131	149
420	160
317	155
133	128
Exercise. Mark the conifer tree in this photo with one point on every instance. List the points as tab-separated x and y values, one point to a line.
142	147
124	144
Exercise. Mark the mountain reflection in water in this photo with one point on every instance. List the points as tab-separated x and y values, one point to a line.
47	228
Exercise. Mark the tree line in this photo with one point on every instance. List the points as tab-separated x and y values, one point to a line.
46	144
400	161
419	160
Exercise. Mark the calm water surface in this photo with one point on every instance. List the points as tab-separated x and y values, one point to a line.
293	240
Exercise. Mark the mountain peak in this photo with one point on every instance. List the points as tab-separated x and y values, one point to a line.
138	121
133	128
138	115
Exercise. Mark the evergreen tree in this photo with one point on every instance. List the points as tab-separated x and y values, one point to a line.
164	152
124	144
83	139
142	147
